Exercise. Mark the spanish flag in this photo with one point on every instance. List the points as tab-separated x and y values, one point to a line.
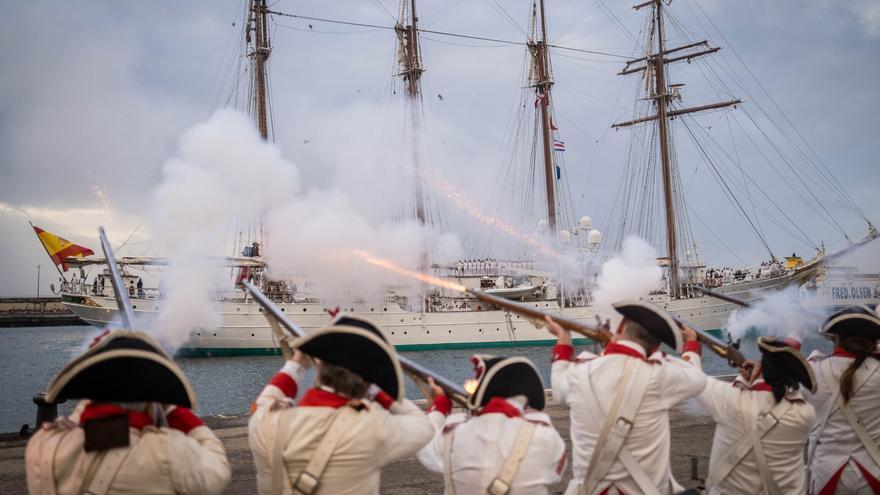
60	248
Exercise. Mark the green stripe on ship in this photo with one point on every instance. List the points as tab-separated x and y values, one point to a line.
274	351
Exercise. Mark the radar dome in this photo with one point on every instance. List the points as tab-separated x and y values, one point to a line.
564	235
585	223
594	237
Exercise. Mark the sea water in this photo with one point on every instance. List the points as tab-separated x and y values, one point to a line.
31	356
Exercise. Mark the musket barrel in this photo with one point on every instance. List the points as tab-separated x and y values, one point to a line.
723	297
122	301
592	332
452	389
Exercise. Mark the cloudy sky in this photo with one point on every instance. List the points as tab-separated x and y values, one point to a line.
94	98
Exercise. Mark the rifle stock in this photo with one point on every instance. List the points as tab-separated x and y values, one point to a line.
455	392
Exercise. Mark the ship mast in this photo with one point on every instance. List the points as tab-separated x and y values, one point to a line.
259	56
544	82
653	65
410	59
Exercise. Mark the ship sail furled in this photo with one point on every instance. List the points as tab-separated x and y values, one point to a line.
652	185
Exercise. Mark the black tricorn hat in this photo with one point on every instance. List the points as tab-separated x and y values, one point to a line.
360	351
123	366
654	319
506	377
350	320
788	359
857	321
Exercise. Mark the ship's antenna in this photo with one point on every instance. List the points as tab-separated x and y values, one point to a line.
653	65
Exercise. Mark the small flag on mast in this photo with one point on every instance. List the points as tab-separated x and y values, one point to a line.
558	145
60	248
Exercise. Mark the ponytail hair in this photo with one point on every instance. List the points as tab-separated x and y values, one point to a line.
862	348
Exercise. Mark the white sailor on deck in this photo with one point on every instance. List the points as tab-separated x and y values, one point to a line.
844	456
620	401
134	433
334	440
508	446
762	424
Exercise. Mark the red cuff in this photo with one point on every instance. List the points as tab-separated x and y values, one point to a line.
693	346
183	419
441	404
285	383
562	352
384	399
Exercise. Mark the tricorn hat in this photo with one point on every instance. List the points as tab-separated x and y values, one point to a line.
788	359
653	319
360	351
506	377
858	321
350	320
123	366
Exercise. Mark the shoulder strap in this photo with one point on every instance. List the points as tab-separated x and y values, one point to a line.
308	480
739	450
825	372
447	462
501	484
756	434
101	476
47	459
860	431
618	422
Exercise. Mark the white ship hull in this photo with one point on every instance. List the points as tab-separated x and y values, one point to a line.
244	331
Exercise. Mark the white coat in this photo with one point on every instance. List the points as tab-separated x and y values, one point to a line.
730	404
840	460
481	444
184	458
672	381
376	438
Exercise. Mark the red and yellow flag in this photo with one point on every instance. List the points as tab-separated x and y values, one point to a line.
60	248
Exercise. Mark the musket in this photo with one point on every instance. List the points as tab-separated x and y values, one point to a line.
291	330
729	350
125	310
724	297
598	333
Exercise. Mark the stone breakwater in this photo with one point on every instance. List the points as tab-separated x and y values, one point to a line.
691	437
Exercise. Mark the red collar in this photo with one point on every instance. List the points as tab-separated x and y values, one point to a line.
499	405
316	397
615	348
841	352
94	410
762	387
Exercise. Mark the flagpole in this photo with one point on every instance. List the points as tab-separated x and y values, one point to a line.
47	252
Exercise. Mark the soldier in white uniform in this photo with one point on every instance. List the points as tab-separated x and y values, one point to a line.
508	446
620	401
334	440
762	424
134	433
843	455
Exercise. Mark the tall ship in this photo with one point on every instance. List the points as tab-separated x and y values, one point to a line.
439	317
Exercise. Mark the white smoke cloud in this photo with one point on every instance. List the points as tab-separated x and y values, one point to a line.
778	314
223	172
632	274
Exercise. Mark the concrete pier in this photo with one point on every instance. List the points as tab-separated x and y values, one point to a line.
691	437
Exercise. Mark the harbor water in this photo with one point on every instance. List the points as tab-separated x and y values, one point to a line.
31	356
